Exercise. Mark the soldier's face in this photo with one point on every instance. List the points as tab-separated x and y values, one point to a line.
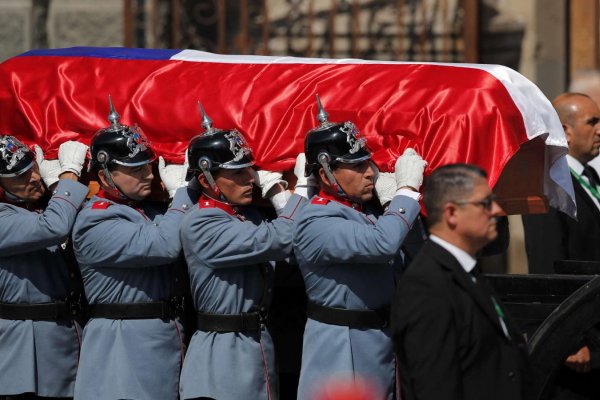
28	186
236	184
356	180
134	182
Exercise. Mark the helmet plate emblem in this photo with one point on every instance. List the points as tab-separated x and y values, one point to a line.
11	151
135	142
237	145
352	137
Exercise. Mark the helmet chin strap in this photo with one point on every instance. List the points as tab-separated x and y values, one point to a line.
211	181
113	189
324	162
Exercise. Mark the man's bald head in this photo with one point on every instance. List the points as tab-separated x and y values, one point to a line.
568	104
580	118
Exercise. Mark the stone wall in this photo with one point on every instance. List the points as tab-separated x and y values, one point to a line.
28	24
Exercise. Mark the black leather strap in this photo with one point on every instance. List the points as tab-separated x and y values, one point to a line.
43	311
229	322
149	310
358	319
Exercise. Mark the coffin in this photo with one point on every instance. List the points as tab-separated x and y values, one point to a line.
487	115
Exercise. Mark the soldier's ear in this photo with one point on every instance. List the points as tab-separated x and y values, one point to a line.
323	176
203	182
101	178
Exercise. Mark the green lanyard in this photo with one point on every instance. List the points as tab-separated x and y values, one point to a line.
498	309
501	318
583	183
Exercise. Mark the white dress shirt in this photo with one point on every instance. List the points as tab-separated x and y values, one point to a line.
578	168
464	259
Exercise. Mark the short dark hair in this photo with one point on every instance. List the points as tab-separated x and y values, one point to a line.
449	183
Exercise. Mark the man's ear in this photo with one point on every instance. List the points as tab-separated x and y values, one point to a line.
568	132
202	180
323	176
101	178
449	215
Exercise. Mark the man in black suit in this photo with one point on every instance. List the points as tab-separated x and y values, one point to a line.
556	236
452	337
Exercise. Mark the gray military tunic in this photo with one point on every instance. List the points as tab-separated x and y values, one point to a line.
225	252
127	255
349	260
38	356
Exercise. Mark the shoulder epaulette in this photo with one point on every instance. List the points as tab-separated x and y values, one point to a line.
319	200
101	205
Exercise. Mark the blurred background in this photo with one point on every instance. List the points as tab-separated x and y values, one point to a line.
547	41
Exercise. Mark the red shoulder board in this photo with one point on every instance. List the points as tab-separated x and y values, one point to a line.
206	203
319	200
101	205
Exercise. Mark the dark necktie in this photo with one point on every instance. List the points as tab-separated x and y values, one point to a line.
590	173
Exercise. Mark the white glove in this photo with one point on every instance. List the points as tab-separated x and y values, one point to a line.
409	169
306	186
267	179
172	175
385	187
49	169
71	155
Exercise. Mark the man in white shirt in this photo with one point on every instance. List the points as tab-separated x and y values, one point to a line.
451	334
556	236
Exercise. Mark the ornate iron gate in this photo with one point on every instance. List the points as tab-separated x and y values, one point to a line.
409	30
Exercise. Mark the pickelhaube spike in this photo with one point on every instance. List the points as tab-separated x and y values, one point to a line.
113	116
322	115
206	122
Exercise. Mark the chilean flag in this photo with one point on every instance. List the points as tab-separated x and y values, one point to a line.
448	113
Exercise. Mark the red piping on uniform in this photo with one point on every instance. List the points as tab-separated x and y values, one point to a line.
291	215
262	352
180	341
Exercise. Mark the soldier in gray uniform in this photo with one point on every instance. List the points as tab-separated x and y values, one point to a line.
39	339
230	249
126	249
350	259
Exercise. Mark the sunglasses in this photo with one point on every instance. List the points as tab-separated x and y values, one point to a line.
486	202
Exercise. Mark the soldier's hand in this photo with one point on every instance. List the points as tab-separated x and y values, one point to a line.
71	155
49	169
306	186
409	170
385	187
172	175
580	362
268	180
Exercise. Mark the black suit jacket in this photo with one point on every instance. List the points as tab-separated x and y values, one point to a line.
448	337
556	236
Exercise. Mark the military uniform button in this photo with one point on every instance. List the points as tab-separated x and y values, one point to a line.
185	206
511	375
54	192
67	193
401	210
